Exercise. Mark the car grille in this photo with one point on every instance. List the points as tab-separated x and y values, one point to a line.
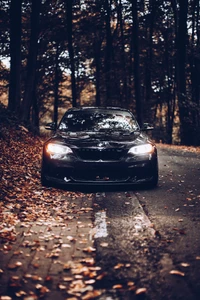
96	154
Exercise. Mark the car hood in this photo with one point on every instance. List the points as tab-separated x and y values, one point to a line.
100	139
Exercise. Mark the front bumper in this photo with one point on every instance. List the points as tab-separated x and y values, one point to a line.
129	171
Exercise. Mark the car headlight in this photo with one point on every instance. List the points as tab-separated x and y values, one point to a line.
56	149
141	149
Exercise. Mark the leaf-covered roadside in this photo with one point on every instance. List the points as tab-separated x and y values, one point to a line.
20	154
44	243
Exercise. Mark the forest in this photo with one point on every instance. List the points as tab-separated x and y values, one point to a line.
142	55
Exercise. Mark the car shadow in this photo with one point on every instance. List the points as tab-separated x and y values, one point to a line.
102	188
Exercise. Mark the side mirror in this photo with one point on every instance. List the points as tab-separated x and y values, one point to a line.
50	126
146	127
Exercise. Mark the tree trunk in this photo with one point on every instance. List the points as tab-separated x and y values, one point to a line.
35	111
71	49
170	99
97	51
56	85
185	126
32	61
123	66
148	79
135	35
197	58
108	55
15	55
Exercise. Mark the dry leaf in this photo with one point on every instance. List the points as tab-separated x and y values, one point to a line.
88	260
91	295
89	249
20	294
14	266
68	279
66	246
101	276
71	238
104	245
91	281
176	272
141	291
48	279
36	278
118	266
27	276
62	287
185	265
32	297
117	286
130	283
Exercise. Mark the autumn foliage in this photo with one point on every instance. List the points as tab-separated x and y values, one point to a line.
40	227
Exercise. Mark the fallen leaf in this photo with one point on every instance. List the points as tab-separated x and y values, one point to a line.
101	276
89	249
48	279
36	278
141	291
62	287
104	244
88	260
66	246
71	238
176	272
32	297
91	295
20	294
68	279
14	265
130	283
117	286
185	265
118	266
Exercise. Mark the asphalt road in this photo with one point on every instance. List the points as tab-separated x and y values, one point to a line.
152	237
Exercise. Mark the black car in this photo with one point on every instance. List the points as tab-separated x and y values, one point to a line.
95	146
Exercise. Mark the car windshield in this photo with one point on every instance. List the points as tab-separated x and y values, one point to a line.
98	121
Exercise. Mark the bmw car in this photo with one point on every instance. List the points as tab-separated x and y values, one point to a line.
99	146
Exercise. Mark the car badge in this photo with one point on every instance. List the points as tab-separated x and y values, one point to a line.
103	144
